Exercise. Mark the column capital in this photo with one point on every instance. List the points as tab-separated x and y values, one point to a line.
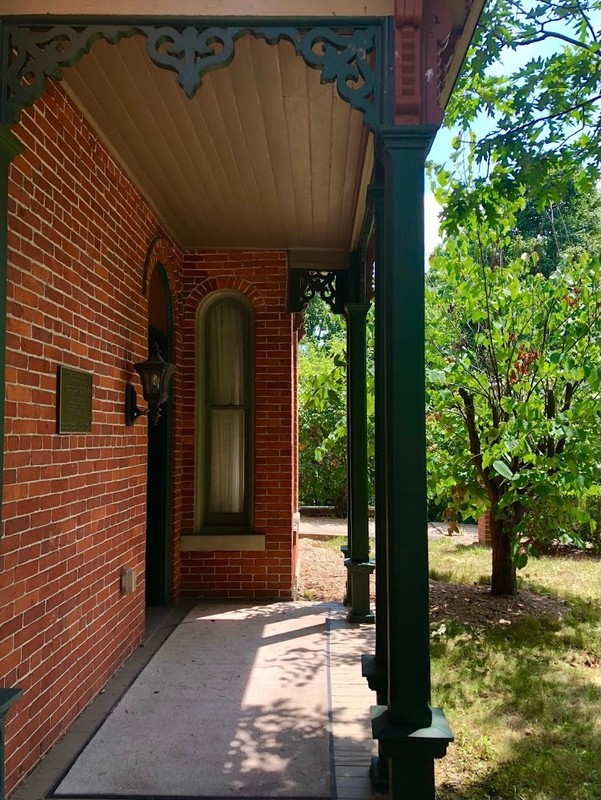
10	146
356	309
413	137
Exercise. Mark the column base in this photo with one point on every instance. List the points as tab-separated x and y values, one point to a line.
378	775
410	752
401	741
358	581
376	676
347	600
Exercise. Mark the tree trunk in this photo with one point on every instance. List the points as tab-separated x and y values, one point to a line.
503	568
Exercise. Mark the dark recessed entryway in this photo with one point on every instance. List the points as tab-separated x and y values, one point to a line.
158	499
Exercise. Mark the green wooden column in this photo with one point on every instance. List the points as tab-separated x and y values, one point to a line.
410	732
375	666
358	563
10	147
7	698
376	198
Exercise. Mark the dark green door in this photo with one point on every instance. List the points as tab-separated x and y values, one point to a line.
158	516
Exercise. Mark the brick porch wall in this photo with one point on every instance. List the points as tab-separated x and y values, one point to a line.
74	505
261	277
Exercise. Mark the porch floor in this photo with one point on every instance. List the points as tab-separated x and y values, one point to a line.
329	755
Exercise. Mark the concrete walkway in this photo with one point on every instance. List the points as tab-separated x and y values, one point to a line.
339	748
350	743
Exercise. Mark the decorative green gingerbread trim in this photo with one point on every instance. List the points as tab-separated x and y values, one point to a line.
347	57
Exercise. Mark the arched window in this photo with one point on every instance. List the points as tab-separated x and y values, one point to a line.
224	392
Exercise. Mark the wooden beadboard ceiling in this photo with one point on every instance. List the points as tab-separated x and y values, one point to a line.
264	156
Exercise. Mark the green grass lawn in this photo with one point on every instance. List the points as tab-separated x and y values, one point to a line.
523	700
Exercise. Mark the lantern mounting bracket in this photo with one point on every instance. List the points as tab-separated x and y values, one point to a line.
155	374
132	411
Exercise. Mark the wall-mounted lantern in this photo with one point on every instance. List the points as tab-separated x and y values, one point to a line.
155	374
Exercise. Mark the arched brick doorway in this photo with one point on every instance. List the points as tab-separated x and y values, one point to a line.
158	499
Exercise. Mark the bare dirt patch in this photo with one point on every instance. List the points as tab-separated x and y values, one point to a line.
323	577
474	605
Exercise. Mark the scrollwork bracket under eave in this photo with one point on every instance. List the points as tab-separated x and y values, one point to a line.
349	59
305	284
31	55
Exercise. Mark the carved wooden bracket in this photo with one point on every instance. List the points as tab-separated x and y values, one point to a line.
349	58
305	284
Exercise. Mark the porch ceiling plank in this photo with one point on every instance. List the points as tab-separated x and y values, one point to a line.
300	150
123	111
193	199
93	108
253	129
250	126
357	139
320	130
269	74
223	122
153	142
204	170
295	79
341	120
263	156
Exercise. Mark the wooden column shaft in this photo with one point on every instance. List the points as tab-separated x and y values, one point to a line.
403	151
10	147
358	511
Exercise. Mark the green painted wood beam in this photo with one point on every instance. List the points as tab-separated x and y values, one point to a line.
403	151
376	200
10	147
350	57
358	511
358	562
7	698
375	667
410	734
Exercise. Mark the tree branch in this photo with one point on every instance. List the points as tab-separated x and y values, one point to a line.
475	447
491	138
550	35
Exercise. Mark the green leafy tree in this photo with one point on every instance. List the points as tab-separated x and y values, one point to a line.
542	117
322	422
322	326
559	230
322	408
514	381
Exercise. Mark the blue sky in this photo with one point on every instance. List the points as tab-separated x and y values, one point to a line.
441	148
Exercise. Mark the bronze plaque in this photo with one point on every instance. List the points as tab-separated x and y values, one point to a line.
74	400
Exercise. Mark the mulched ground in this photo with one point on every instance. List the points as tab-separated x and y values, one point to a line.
323	577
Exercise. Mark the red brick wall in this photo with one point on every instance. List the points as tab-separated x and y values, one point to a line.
261	277
74	505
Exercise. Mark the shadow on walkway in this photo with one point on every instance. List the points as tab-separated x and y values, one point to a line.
235	700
